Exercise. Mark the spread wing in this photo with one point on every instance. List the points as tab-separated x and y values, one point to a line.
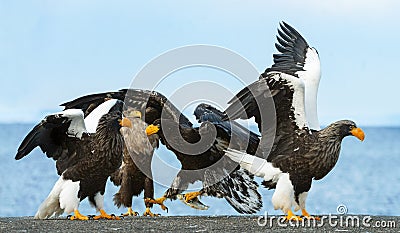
296	57
285	95
58	136
151	103
300	60
155	105
64	136
277	103
89	102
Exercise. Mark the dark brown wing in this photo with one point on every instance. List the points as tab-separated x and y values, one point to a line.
89	102
151	103
231	131
53	136
277	103
293	49
155	105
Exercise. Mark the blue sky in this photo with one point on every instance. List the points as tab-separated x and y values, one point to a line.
55	51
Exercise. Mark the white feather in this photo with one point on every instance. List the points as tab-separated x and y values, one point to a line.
63	198
283	197
311	77
69	200
51	205
99	200
255	165
92	120
77	126
302	200
298	98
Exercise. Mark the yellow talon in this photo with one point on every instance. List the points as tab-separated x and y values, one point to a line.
130	212
78	216
104	215
149	213
308	216
191	196
291	217
158	201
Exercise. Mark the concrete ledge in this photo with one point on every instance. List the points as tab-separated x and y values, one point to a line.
338	223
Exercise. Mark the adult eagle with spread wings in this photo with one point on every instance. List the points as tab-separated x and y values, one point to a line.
87	151
294	153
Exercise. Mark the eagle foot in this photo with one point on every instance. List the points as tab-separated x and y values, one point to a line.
158	201
308	216
149	213
292	217
194	203
190	196
130	212
104	215
77	216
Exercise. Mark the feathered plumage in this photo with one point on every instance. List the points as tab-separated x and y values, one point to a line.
135	175
156	106
84	161
200	151
290	155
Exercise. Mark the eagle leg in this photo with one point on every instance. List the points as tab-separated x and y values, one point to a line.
159	201
308	216
78	216
290	217
192	195
104	215
130	212
149	213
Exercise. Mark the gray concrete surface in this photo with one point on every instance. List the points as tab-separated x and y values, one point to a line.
253	223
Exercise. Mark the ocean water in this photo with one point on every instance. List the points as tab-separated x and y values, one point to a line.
366	180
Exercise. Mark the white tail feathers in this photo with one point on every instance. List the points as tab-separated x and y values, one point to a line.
63	198
255	165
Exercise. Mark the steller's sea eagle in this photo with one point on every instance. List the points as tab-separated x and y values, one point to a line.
294	153
220	177
87	151
134	176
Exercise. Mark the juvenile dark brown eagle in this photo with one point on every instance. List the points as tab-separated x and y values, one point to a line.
219	176
87	151
134	176
294	153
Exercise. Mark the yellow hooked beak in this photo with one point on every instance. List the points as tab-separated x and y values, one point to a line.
152	129
125	122
358	133
134	113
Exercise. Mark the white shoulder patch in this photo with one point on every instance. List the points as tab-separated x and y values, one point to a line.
311	77
77	126
298	98
92	120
